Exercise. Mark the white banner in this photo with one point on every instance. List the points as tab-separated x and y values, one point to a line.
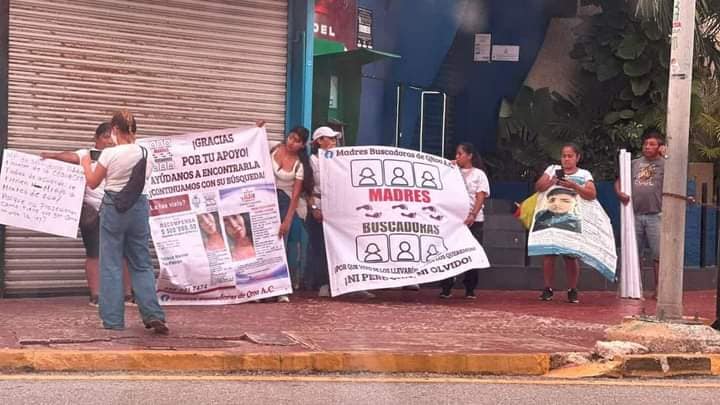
214	218
394	217
41	195
566	224
630	277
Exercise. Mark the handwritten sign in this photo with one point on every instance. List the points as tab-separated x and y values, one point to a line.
40	195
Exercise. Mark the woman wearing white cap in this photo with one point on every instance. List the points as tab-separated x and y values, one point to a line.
323	138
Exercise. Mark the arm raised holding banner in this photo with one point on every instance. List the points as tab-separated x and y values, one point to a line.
65	156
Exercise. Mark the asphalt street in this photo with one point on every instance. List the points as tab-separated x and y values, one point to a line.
345	389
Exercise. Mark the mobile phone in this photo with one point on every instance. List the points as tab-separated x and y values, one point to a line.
95	155
560	174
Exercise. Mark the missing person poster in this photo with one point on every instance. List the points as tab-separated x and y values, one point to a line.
566	224
40	194
214	218
394	217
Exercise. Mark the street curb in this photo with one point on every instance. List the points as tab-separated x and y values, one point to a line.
670	365
643	366
218	361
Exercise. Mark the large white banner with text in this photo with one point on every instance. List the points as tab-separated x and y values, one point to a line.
214	218
394	217
40	194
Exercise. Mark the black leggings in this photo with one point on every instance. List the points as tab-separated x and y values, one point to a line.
470	280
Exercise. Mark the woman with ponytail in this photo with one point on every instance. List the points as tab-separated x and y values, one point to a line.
478	188
293	177
124	226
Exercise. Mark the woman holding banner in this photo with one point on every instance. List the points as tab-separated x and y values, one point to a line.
124	227
566	181
324	138
478	188
293	176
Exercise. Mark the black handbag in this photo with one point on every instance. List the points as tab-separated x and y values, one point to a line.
126	198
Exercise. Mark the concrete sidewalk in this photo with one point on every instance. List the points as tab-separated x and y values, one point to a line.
396	323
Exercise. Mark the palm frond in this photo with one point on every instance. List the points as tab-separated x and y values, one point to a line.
707	26
707	152
709	124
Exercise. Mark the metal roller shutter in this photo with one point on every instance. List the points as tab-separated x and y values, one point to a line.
178	65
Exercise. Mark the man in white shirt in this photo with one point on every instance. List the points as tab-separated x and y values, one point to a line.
89	219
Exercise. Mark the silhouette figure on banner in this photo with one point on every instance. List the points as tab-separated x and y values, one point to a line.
428	180
367	177
405	254
399	177
372	253
432	252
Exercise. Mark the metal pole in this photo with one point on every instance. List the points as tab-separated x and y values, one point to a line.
672	241
716	324
398	92
4	102
422	115
422	118
308	64
444	123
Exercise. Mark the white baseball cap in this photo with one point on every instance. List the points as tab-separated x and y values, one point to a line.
325	131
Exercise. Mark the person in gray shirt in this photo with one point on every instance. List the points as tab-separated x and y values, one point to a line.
647	182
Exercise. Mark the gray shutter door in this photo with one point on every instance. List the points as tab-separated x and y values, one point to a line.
178	65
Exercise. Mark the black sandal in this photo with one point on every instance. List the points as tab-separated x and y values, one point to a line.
158	326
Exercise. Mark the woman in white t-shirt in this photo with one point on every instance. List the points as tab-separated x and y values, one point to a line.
89	216
569	179
478	188
293	177
124	229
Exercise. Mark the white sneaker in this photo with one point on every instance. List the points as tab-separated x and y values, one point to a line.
324	291
283	298
412	287
364	294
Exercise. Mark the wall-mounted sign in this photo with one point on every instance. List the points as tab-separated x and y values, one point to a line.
364	28
483	42
335	21
506	53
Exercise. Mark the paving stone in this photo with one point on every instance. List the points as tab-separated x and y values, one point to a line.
395	321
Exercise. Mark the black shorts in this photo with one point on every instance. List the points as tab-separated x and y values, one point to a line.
91	240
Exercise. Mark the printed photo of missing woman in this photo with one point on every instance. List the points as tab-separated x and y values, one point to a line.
238	233
210	231
559	209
